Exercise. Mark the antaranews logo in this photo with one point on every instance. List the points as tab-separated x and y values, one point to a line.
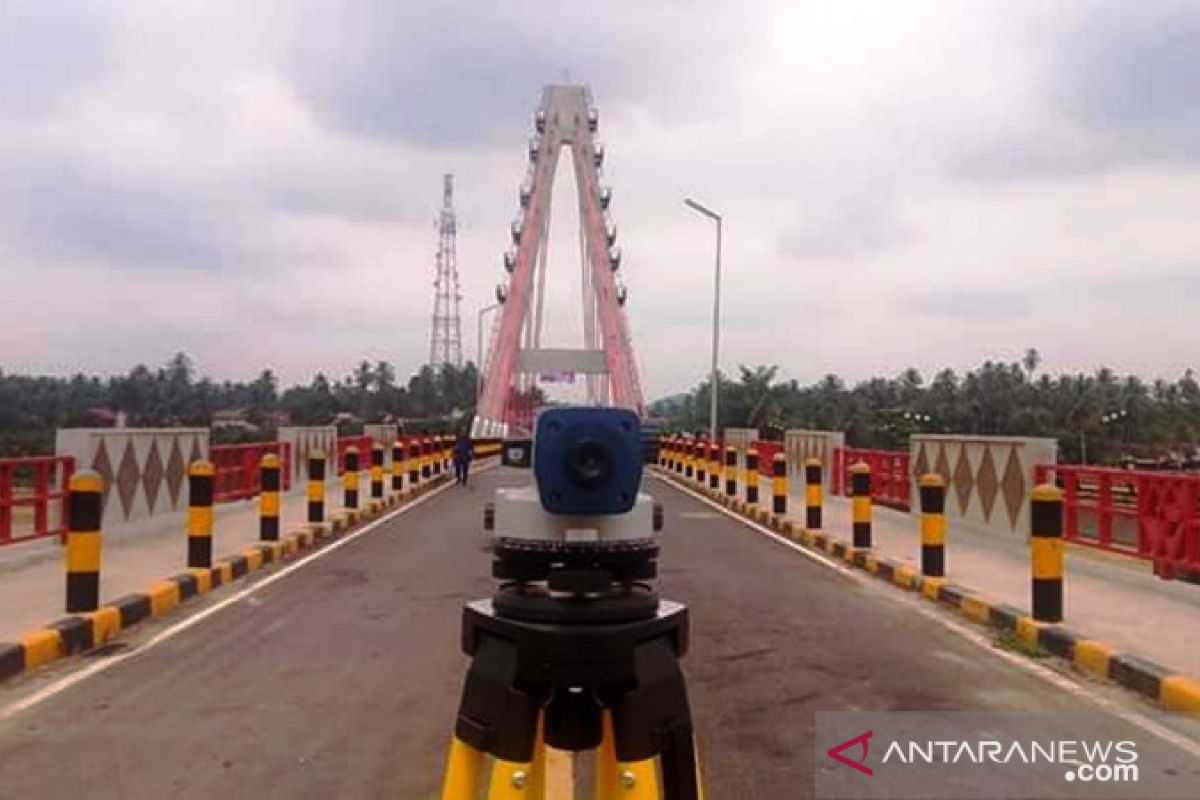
911	755
863	739
1102	761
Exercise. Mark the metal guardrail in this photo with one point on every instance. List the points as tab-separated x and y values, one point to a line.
1148	514
33	497
891	474
238	465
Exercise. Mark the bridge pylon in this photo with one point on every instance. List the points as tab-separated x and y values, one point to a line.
565	119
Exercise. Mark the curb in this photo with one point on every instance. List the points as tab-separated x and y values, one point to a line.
74	634
1173	691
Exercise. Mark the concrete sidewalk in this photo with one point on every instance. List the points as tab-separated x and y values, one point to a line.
1107	596
32	576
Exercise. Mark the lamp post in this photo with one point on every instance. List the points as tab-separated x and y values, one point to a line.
714	380
479	350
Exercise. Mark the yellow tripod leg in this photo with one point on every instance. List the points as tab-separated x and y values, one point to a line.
637	780
512	780
464	768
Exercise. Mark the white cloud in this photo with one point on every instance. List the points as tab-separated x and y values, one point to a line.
928	183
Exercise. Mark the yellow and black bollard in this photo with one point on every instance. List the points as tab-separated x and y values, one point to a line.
201	476
689	469
397	467
860	504
679	455
83	541
268	498
752	476
377	471
436	453
426	458
1046	550
316	487
350	478
714	467
813	484
701	451
932	491
779	485
414	463
730	472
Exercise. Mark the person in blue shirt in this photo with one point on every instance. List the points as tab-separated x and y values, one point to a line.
463	453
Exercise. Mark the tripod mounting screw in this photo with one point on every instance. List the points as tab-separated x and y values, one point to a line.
628	779
519	778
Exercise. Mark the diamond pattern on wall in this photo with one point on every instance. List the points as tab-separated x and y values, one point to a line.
152	476
103	465
127	478
988	483
963	481
175	472
1012	486
942	465
921	466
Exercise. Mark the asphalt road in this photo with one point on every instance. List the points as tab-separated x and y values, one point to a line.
342	678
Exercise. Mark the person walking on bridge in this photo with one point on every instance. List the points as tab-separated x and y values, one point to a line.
462	457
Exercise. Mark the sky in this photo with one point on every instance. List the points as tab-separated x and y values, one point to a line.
922	184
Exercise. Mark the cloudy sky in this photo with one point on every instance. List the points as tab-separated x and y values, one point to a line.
916	183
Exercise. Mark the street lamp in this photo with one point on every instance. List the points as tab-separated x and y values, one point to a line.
715	379
479	350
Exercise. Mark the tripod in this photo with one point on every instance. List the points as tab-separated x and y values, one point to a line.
577	672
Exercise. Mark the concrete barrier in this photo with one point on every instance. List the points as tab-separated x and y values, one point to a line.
144	469
800	445
988	478
304	440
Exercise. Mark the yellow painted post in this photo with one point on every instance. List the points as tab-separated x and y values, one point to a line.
932	491
414	463
201	476
702	462
714	467
377	471
426	458
397	467
752	475
730	471
436	455
813	501
689	458
779	485
316	487
84	541
860	504
350	478
1046	552
268	498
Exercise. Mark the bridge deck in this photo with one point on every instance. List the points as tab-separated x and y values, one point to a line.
341	678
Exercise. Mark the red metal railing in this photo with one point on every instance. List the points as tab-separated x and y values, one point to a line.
1152	515
891	474
766	456
33	497
238	468
363	443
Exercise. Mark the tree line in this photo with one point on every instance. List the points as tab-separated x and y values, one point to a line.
32	407
1098	418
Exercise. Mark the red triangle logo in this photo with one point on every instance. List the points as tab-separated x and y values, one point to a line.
835	752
